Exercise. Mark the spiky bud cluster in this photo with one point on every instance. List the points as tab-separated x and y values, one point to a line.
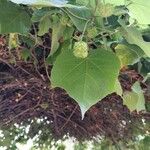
80	49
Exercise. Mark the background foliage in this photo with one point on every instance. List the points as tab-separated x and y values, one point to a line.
90	41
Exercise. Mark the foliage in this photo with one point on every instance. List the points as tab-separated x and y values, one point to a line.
38	131
93	75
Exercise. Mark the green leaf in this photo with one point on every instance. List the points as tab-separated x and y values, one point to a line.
91	4
135	100
139	10
133	36
68	32
25	54
146	141
86	80
128	54
79	16
57	32
44	25
39	14
118	88
13	18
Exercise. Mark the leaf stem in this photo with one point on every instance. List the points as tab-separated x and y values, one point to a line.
84	29
103	37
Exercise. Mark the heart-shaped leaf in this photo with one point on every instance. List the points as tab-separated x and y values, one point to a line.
86	80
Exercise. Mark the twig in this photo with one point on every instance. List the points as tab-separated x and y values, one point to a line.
4	61
23	112
54	114
69	117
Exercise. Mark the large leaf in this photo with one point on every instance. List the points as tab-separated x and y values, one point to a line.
86	80
13	19
133	36
135	100
128	54
78	14
139	9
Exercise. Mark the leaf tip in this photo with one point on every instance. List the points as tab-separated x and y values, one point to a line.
83	111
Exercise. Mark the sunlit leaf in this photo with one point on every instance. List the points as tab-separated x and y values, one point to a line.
118	88
139	10
135	100
128	54
133	36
